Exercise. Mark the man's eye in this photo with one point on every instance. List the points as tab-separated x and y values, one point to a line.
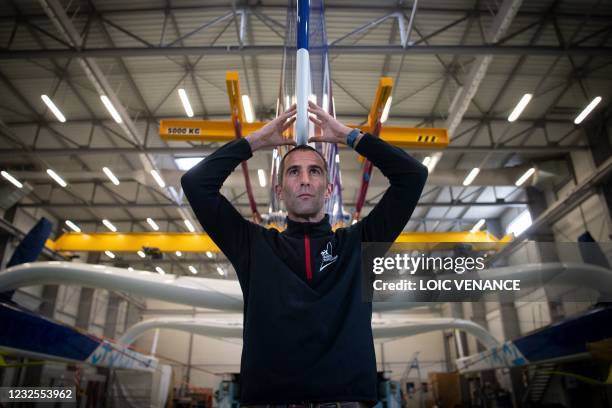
315	171
293	171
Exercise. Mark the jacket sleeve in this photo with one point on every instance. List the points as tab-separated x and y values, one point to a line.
406	176
221	221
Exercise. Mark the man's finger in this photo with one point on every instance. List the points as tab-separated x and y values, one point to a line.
293	108
314	105
318	111
316	139
288	124
315	120
289	141
287	114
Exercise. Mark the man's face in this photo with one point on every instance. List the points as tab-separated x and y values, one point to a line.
304	188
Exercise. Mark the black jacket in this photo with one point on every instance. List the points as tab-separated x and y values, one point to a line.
307	332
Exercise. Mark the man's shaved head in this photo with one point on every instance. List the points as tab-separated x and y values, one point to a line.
281	168
303	184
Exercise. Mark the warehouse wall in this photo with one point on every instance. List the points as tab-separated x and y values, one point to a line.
592	215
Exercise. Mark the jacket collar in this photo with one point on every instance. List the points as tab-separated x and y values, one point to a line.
321	228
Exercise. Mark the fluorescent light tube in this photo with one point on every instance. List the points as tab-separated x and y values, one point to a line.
262	177
109	225
160	270
189	225
110	254
185	101
478	225
73	226
186	163
192	269
248	109
160	181
152	224
58	114
57	178
520	223
110	175
471	176
433	162
12	179
110	108
385	113
524	177
587	110
520	106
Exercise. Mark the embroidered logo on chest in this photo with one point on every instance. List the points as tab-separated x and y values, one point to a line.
327	257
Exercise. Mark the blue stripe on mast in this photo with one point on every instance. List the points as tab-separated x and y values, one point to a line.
303	15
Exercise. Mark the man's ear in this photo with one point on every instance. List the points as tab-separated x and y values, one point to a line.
328	190
277	190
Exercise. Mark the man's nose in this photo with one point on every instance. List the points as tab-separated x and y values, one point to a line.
304	178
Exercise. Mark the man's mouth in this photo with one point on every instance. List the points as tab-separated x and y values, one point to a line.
305	196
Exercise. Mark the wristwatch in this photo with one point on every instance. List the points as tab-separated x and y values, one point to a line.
352	136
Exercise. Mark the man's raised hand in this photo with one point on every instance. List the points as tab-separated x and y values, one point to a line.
271	134
332	131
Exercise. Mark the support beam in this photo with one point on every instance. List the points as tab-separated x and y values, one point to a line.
46	205
255	50
462	99
197	243
205	150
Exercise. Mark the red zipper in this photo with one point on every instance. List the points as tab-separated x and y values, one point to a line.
307	251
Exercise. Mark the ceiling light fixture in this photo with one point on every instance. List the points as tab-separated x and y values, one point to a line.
248	109
385	113
582	116
262	177
109	225
58	114
520	106
185	101
73	226
189	225
153	224
110	175
12	179
478	225
111	109
524	177
57	178
160	181
471	176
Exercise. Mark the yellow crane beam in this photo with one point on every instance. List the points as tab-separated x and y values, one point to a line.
198	130
197	242
223	131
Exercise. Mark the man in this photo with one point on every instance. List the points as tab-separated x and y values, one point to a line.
307	332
